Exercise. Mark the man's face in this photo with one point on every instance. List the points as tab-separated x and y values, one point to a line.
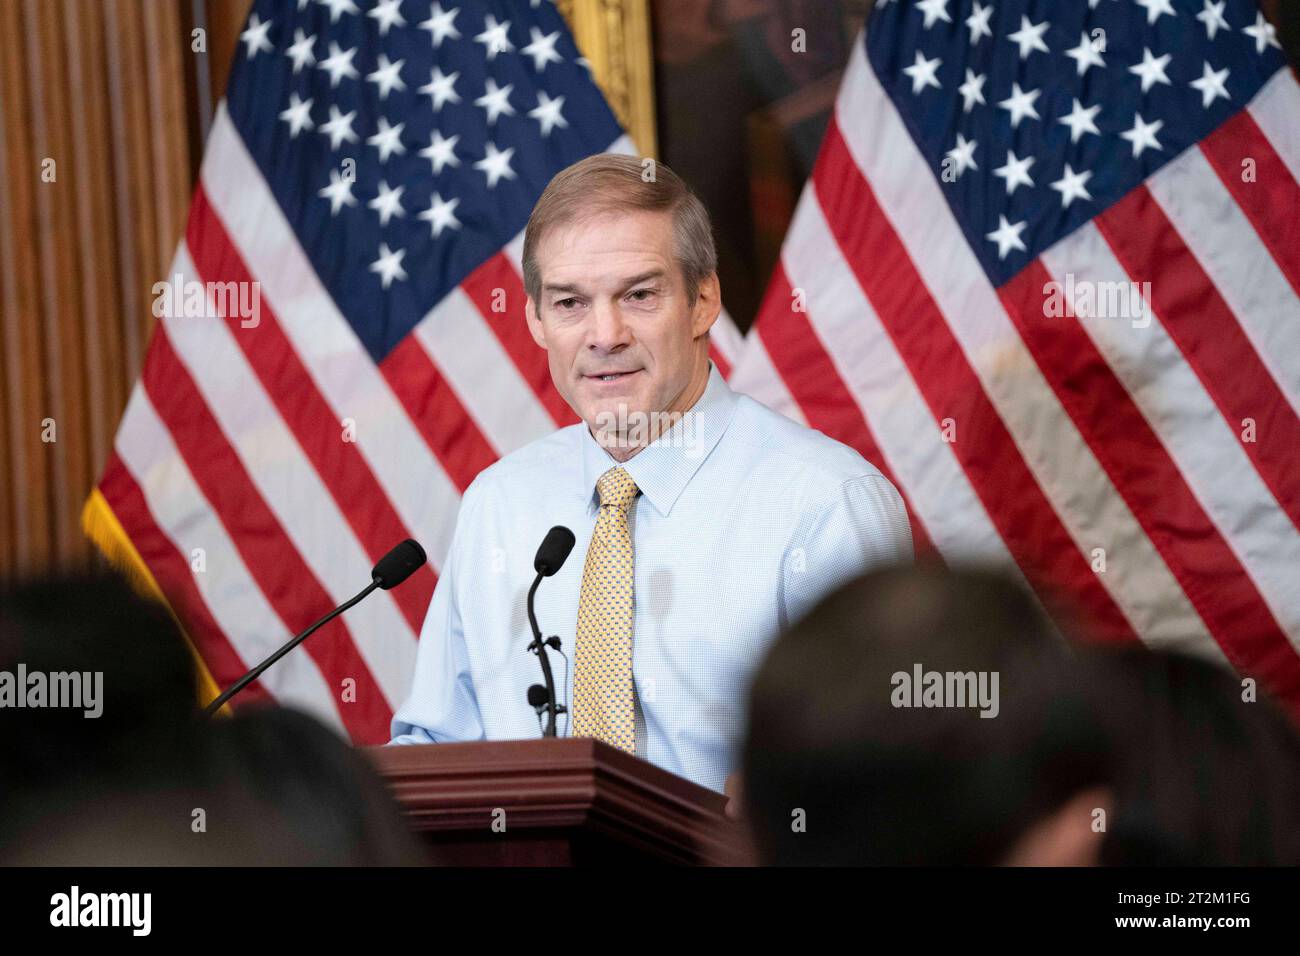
614	316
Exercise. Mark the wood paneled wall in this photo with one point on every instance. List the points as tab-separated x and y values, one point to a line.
98	149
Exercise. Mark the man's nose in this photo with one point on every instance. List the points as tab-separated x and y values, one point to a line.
609	331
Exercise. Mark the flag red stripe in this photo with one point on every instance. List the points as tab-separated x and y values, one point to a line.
1019	509
496	284
270	556
803	363
1152	486
1271	200
1202	325
342	469
437	412
172	572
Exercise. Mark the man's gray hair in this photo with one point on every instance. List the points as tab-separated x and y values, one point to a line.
610	182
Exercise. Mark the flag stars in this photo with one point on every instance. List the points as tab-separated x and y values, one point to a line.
339	64
255	37
1071	185
441	88
387	77
1007	236
1086	54
547	112
1212	17
441	25
389	265
961	157
1156	8
496	101
300	51
542	49
934	11
441	152
1081	120
338	8
440	215
339	127
978	22
388	203
1151	70
1211	85
1143	135
495	164
972	91
1263	33
1015	172
298	115
494	38
1029	37
338	192
388	139
922	72
1020	104
387	14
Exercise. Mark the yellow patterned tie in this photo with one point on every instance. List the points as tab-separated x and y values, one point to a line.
602	669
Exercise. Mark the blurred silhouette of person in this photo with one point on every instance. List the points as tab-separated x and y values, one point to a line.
1205	776
841	767
147	781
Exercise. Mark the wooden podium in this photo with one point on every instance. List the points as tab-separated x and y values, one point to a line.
555	802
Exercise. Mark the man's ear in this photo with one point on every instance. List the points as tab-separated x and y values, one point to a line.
708	305
534	322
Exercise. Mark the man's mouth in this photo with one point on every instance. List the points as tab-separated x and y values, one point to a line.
610	376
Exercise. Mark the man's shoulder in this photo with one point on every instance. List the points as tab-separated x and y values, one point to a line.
541	456
779	444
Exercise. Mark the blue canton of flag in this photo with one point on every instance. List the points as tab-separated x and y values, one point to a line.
1038	115
407	141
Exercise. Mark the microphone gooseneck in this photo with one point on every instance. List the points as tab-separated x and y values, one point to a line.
552	554
391	570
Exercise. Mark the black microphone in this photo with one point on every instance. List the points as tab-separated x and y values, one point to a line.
554	551
551	556
391	570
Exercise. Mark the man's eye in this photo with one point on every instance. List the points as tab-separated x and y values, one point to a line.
640	295
568	303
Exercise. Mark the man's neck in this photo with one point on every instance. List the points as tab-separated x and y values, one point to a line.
621	450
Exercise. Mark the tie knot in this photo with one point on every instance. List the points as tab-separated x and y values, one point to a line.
616	488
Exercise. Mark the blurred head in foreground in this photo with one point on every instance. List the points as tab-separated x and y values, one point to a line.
923	716
1208	770
145	781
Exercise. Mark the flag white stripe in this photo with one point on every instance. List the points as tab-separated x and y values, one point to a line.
870	367
1091	510
756	376
467	352
1187	422
1274	109
232	597
420	491
292	489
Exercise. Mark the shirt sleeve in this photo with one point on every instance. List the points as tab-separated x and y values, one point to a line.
863	525
442	706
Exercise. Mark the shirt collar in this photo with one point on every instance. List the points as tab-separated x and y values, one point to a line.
663	468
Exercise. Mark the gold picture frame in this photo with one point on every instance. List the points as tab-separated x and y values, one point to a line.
614	36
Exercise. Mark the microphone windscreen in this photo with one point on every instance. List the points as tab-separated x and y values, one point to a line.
537	696
398	565
554	551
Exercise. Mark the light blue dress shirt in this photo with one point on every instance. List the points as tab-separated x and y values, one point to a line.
745	519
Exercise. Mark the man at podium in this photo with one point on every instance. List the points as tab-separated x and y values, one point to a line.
704	522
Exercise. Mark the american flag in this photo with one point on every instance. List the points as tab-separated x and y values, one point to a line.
1045	275
371	169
